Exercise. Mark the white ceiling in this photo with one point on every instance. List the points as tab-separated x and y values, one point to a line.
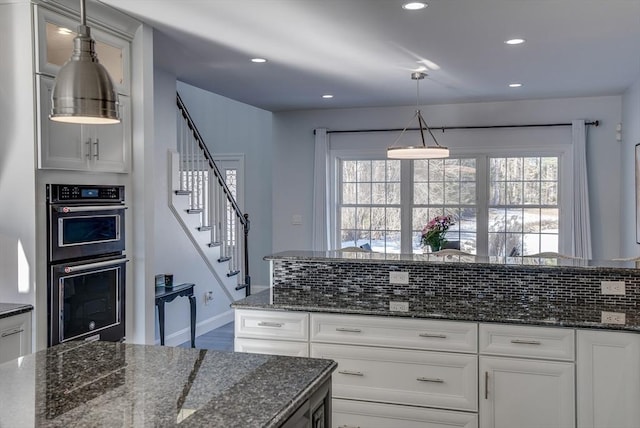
362	51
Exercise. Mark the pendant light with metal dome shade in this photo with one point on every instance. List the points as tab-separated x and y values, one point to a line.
83	91
418	152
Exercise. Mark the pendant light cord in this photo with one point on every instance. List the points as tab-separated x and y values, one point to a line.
83	16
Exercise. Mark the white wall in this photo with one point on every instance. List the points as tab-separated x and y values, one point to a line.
293	154
630	137
229	126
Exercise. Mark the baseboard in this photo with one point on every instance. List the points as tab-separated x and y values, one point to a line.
184	335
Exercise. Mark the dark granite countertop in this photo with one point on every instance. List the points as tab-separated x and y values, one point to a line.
541	313
87	384
11	309
453	256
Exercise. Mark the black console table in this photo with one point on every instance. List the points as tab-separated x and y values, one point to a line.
168	294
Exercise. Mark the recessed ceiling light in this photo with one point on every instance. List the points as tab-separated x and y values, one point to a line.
258	60
327	96
514	41
515	85
64	31
416	5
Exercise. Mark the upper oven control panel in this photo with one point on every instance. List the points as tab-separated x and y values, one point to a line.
64	193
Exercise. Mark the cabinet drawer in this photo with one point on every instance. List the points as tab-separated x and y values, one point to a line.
529	342
394	332
401	376
352	414
272	325
274	347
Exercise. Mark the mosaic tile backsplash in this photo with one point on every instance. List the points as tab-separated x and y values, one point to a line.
434	286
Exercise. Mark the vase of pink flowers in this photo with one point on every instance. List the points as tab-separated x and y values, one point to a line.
433	233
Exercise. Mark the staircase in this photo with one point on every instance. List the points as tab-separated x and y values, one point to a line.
206	208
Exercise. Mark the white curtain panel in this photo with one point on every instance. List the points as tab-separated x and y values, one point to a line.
320	237
581	218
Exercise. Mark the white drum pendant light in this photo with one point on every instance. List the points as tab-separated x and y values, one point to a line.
423	151
83	91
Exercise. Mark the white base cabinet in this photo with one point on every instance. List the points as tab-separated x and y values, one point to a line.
15	336
352	414
608	379
272	332
403	376
405	372
523	393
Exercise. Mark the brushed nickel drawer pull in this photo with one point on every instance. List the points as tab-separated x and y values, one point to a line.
351	372
430	379
437	336
270	324
11	333
526	342
486	385
349	330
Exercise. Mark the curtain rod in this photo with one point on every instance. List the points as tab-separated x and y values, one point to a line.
445	128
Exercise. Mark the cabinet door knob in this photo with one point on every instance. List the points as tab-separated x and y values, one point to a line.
350	373
350	330
11	333
270	324
526	342
486	385
433	335
430	379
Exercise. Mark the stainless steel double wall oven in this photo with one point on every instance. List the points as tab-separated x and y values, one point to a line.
86	262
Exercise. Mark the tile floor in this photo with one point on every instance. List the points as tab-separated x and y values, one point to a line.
220	339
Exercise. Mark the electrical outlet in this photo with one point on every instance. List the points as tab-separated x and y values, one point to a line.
208	297
399	306
613	317
398	277
612	287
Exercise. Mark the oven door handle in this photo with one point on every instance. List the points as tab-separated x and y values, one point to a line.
84	208
78	268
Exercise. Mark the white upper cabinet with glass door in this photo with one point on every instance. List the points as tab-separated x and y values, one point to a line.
64	146
54	45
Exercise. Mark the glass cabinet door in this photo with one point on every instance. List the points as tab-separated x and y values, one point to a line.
55	45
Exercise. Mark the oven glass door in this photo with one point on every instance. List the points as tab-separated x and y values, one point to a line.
86	231
87	299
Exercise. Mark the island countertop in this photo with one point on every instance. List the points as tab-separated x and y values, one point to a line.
11	309
79	384
474	310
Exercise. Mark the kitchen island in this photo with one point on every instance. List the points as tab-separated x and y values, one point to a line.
79	384
462	341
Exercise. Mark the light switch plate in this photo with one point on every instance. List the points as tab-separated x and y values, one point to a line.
613	287
613	317
398	277
399	306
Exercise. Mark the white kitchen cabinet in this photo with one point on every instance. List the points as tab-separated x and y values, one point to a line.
55	31
272	332
434	335
15	336
525	393
608	379
104	148
352	414
403	376
273	347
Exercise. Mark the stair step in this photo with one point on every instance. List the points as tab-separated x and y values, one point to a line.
214	244
241	286
233	273
204	228
224	259
182	192
194	210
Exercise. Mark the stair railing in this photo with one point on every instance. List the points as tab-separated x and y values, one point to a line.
211	197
